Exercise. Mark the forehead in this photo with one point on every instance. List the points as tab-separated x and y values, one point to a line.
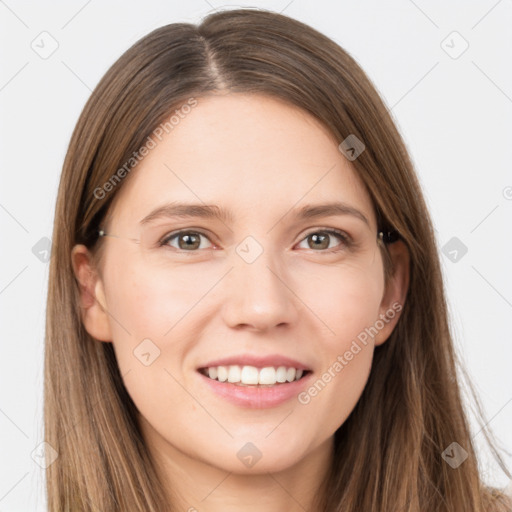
251	154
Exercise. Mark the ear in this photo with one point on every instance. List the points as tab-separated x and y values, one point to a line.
393	300
92	294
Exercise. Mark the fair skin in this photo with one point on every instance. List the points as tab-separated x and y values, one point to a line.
261	159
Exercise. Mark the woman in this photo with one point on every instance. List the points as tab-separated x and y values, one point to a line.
246	309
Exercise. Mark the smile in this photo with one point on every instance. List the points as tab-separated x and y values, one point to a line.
253	376
253	387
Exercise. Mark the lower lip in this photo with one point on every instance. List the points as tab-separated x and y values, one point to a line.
256	397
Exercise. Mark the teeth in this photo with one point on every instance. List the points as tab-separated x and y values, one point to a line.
234	374
267	376
222	373
281	374
251	376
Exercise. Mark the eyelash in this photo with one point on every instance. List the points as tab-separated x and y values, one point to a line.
346	240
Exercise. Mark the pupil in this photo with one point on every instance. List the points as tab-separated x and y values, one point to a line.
321	238
189	242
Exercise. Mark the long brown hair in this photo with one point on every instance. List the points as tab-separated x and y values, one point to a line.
388	453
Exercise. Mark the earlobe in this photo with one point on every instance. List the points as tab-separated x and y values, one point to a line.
395	293
92	294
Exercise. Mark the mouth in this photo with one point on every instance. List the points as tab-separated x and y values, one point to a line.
253	376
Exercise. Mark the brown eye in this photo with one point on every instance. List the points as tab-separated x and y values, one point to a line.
321	240
187	240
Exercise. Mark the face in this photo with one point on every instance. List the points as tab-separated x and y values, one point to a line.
262	287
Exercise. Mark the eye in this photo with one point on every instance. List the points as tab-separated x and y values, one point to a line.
187	240
320	239
191	240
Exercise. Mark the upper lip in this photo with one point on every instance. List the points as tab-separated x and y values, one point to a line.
275	360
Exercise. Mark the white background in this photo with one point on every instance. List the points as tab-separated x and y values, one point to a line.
454	113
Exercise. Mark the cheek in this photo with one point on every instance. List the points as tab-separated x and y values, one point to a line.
152	312
148	302
347	301
336	391
147	313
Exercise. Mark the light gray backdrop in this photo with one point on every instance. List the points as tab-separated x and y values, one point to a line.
444	69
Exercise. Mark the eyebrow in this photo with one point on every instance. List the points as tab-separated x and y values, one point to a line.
190	210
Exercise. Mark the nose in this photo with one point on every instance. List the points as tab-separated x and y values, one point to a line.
259	295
